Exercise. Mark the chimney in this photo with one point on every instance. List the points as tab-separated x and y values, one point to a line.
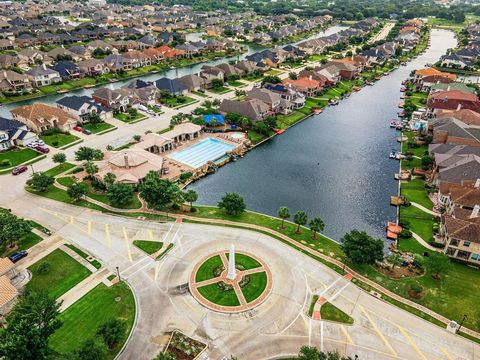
477	184
459	107
125	157
476	210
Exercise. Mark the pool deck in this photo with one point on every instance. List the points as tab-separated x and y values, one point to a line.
176	168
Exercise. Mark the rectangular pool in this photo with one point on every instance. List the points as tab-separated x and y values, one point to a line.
202	152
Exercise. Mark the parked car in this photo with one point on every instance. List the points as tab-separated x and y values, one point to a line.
257	85
202	91
78	128
18	256
42	149
19	170
87	132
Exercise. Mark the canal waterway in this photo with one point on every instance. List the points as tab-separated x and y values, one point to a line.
334	165
173	73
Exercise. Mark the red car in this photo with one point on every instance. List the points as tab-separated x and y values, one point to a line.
19	170
42	149
78	128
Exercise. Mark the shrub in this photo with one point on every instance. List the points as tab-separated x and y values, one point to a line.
55	143
436	244
405	234
185	176
416	288
44	268
5	162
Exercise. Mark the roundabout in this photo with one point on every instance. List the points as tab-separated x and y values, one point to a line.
230	282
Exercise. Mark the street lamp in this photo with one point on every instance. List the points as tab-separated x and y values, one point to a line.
118	273
461	322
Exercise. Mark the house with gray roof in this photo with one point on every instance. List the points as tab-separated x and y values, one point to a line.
42	75
14	133
80	107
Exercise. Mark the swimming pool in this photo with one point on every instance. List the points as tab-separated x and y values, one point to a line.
202	152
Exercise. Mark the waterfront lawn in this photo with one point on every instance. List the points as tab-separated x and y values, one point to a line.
15	157
322	243
176	101
330	312
415	191
96	128
149	247
82	320
58	140
205	271
256	137
418	221
60	168
285	121
218	296
84	255
255	287
245	261
62	273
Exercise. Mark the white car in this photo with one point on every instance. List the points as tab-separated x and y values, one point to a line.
257	85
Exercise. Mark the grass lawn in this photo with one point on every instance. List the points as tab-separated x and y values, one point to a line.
63	274
331	312
177	101
200	94
220	90
81	321
58	140
60	168
273	72
285	121
96	128
255	137
169	247
218	296
84	255
312	305
149	247
125	117
415	191
252	77
420	222
205	271
24	243
16	157
255	287
236	83
245	261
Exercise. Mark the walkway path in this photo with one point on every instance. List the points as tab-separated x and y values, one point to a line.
424	209
40	250
424	243
82	288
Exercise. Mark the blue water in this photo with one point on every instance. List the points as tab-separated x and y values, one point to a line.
202	152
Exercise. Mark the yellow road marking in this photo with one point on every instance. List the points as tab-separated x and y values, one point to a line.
377	330
447	354
89	227
108	240
72	220
412	343
347	335
125	236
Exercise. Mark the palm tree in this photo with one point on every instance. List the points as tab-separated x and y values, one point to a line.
109	179
283	213
191	196
395	260
300	218
316	225
91	168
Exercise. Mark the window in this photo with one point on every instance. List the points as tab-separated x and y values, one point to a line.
475	257
466	243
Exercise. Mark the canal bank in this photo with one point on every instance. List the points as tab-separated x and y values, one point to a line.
335	165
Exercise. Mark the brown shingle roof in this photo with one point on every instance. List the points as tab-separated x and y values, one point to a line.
7	291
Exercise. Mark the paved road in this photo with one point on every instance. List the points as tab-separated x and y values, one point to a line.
279	326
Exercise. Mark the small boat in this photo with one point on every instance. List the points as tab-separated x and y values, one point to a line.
401	105
62	91
399	156
317	110
356	88
394	124
401	114
393	154
333	102
402	97
404	82
172	67
403	89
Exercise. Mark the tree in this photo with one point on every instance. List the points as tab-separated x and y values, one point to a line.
12	227
137	138
395	260
427	162
77	190
177	119
283	213
312	353
438	263
112	332
109	179
59	158
217	83
165	356
270	121
119	194
316	225
94	118
89	154
300	218
233	204
29	325
362	248
271	79
40	182
90	168
292	75
157	192
90	350
191	196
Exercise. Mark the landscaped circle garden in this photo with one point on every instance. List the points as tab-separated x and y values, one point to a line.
211	287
